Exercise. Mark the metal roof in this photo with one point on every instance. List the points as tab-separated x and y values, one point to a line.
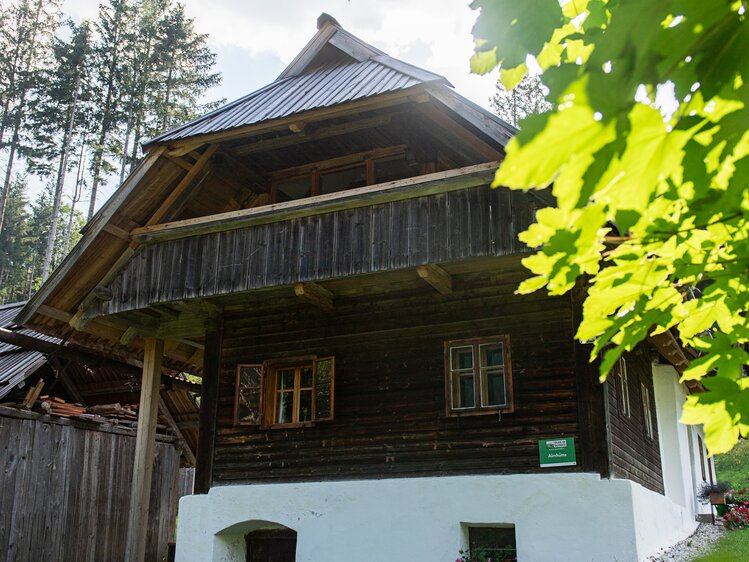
360	71
324	87
16	364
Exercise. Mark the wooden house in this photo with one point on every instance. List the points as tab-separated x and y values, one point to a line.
328	254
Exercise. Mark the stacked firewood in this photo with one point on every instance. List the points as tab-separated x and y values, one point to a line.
58	407
117	410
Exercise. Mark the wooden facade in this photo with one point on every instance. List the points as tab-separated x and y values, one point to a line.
634	455
66	489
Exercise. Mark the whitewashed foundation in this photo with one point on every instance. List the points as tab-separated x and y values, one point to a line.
560	517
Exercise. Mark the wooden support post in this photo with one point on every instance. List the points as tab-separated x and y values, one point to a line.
436	277
314	294
145	442
208	412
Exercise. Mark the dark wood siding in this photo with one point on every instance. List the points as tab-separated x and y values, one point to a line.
633	455
439	228
390	415
66	490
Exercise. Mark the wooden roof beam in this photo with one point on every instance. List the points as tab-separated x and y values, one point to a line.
314	294
437	277
183	185
186	450
312	135
453	128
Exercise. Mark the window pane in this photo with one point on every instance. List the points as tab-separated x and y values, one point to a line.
285	379
285	407
495	386
466	387
323	379
395	169
461	358
294	189
305	380
339	180
248	400
305	405
492	355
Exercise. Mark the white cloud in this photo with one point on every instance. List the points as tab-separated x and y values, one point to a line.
434	35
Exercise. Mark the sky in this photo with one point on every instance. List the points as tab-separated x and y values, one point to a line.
256	39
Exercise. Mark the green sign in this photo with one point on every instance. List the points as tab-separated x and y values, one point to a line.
557	452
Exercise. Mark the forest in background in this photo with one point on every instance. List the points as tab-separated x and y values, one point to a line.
76	102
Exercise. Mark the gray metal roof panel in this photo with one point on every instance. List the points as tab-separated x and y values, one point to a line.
15	363
324	87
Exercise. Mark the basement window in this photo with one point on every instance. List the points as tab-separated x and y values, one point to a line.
478	375
492	543
288	393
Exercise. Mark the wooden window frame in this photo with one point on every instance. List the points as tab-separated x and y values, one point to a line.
268	403
647	413
479	375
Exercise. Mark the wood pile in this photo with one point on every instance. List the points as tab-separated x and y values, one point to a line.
117	410
58	407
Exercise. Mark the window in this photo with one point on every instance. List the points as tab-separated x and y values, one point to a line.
621	372
647	412
478	375
285	393
492	543
702	459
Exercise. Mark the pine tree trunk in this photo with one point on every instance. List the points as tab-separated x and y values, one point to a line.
19	114
60	184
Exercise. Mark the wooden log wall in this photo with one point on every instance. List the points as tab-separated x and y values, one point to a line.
633	455
65	491
390	417
437	228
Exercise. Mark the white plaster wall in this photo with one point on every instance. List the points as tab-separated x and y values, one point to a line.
560	517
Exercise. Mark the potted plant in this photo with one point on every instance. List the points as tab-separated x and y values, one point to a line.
715	494
488	554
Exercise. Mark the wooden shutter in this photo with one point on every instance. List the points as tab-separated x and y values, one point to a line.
247	398
324	388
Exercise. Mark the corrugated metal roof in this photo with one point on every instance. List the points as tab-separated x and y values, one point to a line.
325	87
16	364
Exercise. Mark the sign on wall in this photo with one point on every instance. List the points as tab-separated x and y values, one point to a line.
557	452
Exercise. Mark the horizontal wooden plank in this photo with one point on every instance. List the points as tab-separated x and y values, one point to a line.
439	182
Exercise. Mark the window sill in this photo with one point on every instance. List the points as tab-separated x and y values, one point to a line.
288	425
480	412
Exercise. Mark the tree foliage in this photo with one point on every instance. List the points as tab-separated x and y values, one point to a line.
652	196
526	98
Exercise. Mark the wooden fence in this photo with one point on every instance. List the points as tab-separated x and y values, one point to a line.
65	490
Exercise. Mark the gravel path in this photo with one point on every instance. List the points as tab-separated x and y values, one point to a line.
693	546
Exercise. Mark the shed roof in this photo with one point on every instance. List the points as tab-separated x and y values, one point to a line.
16	363
335	67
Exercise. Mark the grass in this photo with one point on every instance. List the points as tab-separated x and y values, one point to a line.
733	466
732	547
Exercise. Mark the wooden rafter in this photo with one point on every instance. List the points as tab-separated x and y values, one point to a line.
465	136
314	294
437	277
323	132
189	455
183	185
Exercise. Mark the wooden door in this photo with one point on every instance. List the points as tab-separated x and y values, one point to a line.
276	545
